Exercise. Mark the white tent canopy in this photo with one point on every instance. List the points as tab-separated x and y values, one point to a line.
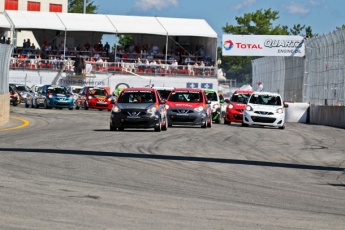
77	29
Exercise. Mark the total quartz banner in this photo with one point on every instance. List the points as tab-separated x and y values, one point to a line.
263	45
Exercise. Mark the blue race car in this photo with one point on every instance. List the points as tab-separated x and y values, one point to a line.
50	96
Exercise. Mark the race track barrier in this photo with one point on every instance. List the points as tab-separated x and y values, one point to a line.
327	115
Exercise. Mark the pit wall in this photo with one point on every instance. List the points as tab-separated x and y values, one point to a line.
327	115
4	109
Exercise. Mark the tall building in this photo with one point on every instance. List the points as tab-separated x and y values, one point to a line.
60	6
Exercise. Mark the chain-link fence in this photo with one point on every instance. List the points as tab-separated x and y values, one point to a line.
5	56
318	78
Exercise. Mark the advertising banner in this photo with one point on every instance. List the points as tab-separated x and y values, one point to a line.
263	45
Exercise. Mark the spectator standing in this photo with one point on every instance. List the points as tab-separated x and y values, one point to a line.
260	86
8	41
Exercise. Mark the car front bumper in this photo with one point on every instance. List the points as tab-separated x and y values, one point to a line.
190	118
275	120
121	120
60	103
234	115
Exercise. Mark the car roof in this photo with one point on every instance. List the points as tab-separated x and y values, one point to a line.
163	87
244	91
139	89
188	89
266	93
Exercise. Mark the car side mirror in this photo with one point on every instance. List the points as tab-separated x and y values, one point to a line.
286	105
208	102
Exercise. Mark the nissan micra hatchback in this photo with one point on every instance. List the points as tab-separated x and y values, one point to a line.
188	106
265	109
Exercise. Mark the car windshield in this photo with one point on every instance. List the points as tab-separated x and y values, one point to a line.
240	98
57	90
76	90
22	88
98	92
212	96
265	99
185	97
137	97
164	93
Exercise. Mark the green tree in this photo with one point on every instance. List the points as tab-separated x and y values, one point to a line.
125	40
258	23
77	6
340	28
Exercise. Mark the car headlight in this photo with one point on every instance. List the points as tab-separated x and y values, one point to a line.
116	109
280	110
249	108
230	106
199	108
167	106
90	97
50	96
152	110
215	106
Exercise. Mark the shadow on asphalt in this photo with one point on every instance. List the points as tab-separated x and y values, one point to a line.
175	158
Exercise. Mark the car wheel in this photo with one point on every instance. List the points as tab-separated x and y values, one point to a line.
244	125
45	104
282	127
32	103
121	129
226	122
159	128
85	106
112	128
165	127
209	125
70	108
15	103
26	104
204	125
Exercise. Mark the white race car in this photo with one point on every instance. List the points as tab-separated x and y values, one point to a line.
265	109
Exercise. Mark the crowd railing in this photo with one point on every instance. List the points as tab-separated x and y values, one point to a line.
119	67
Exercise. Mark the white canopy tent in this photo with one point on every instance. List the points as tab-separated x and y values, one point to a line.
77	29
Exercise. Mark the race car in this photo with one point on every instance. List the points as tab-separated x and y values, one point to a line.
53	96
188	106
14	97
236	105
94	98
139	108
216	105
265	109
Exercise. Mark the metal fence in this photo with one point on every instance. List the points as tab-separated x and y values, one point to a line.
5	56
318	78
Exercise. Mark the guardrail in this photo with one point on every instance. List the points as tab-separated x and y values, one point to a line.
74	68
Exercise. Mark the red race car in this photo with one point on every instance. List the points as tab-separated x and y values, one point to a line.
236	105
94	98
188	106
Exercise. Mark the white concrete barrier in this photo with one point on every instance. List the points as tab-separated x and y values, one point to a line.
296	112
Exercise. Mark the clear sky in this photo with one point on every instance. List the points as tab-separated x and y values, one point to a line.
322	15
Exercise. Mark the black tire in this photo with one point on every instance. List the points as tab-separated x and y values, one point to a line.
76	106
226	122
165	127
85	106
15	103
70	108
32	103
112	128
121	129
209	125
204	125
244	125
45	104
159	128
26	104
282	127
100	109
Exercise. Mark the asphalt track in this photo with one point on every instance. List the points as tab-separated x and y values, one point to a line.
62	169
